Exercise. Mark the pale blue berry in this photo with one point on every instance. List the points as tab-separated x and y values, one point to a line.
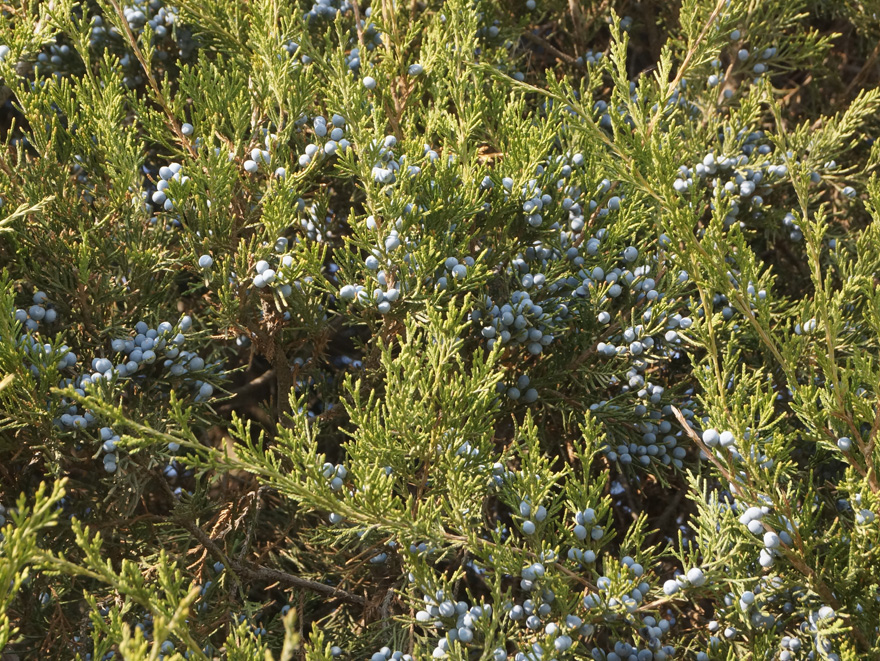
696	577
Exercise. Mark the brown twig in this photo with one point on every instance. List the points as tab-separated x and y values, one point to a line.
249	536
260	573
859	77
248	389
360	28
535	39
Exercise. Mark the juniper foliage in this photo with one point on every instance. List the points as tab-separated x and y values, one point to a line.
453	329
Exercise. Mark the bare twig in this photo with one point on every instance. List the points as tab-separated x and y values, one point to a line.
858	79
260	573
247	390
543	43
258	497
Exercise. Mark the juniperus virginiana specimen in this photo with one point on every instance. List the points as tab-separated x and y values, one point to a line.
447	329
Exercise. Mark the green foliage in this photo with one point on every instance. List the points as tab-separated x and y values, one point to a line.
419	330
